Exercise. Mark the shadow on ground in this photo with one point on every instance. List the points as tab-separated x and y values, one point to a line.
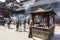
56	37
11	28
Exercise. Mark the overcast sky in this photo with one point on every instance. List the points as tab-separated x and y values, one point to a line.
4	0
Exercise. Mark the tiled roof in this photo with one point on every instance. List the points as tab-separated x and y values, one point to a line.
36	6
41	8
3	6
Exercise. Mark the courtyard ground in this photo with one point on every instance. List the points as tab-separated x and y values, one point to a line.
11	34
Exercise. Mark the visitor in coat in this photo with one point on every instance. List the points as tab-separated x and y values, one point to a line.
17	25
9	22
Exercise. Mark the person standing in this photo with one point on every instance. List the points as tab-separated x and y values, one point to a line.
9	22
17	25
4	23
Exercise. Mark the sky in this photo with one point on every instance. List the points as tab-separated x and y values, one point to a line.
2	0
17	0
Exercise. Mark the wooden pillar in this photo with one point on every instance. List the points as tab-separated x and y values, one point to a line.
54	20
10	14
48	20
54	25
32	25
33	16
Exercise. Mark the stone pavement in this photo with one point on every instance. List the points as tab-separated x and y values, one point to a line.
11	34
57	33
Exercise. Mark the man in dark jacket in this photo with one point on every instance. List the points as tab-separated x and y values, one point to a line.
9	22
17	25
